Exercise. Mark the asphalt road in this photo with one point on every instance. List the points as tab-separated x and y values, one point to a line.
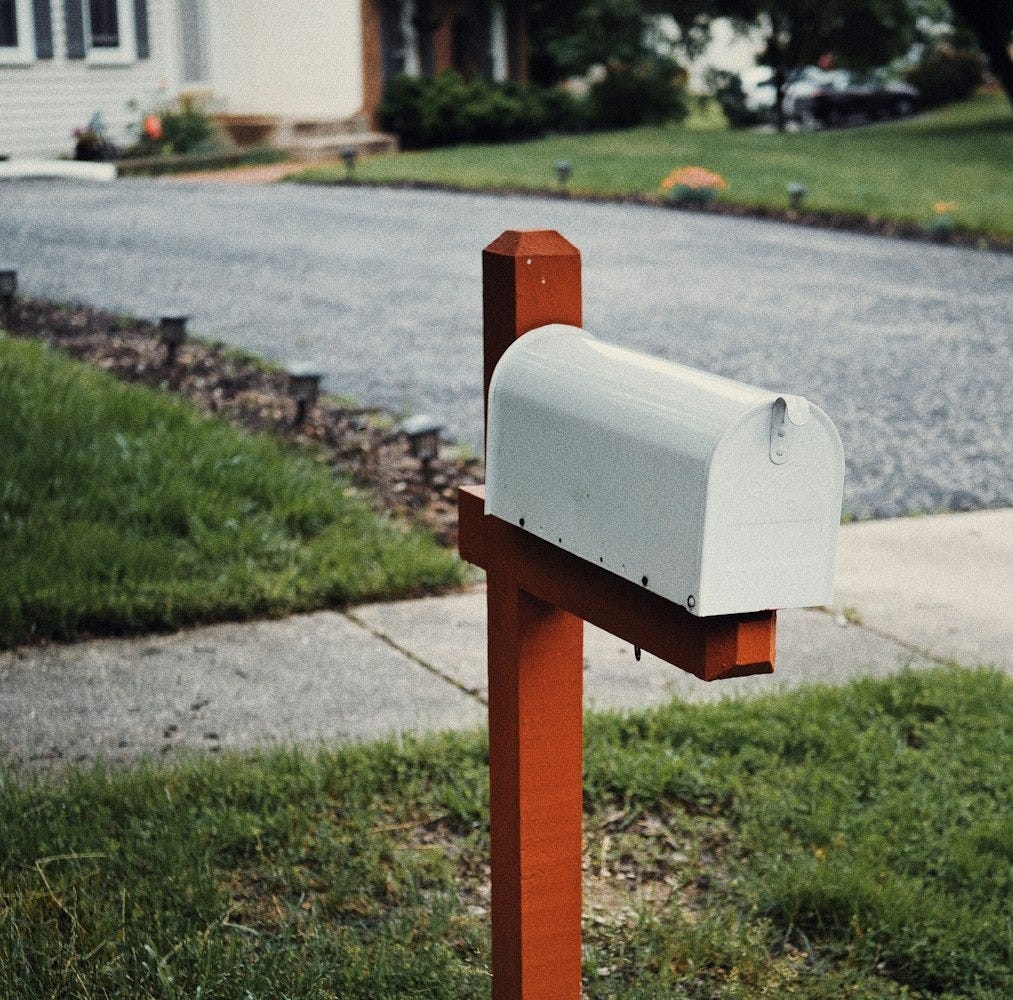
907	346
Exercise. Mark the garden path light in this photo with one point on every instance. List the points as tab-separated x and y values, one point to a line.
304	388
8	289
564	169
349	156
172	335
423	434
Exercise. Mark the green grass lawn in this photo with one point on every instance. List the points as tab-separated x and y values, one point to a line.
894	171
122	509
818	845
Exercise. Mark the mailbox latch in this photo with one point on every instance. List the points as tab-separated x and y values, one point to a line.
788	413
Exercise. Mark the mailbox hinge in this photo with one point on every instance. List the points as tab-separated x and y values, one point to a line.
788	413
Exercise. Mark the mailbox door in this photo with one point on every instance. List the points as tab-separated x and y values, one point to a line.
770	533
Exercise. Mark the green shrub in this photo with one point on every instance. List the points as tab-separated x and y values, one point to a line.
401	109
493	113
648	92
188	129
566	112
448	109
945	75
182	128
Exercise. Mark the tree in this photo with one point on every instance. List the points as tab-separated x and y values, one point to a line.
992	24
568	37
854	33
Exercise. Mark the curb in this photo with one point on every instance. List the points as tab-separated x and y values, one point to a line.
843	221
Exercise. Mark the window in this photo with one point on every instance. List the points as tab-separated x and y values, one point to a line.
8	25
105	24
110	26
16	43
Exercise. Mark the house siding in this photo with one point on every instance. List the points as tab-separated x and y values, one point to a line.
306	64
43	102
297	60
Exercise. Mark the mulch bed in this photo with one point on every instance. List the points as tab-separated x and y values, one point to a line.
359	443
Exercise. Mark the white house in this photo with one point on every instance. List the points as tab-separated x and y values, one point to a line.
314	61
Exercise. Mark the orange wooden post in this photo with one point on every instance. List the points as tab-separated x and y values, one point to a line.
535	685
538	599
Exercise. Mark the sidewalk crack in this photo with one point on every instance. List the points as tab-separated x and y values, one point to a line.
943	661
415	658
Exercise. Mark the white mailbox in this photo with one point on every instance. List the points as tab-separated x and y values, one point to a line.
720	496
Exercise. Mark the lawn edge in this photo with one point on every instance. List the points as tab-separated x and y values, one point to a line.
854	222
295	447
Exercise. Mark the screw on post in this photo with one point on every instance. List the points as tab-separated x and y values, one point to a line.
172	336
304	388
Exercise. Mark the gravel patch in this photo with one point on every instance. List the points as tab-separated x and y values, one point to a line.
907	346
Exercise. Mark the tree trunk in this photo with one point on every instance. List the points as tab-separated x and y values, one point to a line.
991	22
998	61
780	84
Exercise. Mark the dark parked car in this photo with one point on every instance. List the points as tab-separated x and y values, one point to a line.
834	97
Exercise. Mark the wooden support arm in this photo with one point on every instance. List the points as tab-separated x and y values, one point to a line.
711	648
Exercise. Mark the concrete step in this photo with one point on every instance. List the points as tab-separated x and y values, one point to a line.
306	128
315	148
275	130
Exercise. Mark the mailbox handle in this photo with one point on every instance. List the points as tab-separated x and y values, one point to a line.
788	413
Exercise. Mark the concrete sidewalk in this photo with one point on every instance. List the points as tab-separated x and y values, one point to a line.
913	591
265	173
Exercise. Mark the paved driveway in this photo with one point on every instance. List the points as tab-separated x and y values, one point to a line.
907	346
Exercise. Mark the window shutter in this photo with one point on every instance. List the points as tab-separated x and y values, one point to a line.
74	17
141	29
43	29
